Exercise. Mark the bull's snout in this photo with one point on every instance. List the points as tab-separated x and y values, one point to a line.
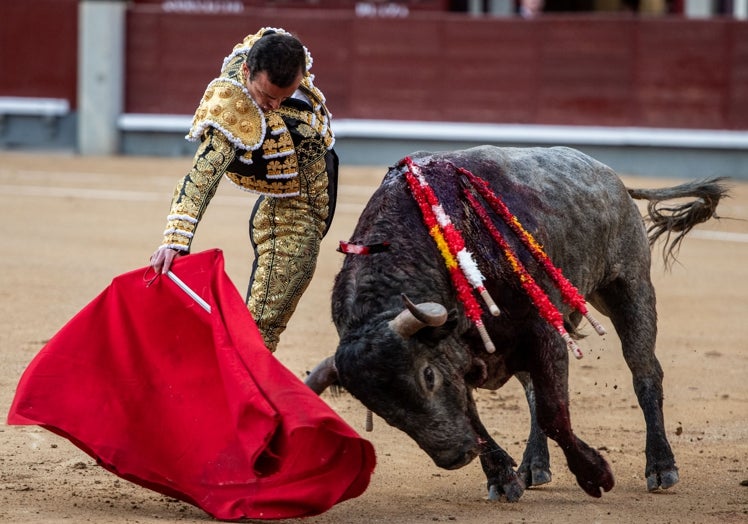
456	457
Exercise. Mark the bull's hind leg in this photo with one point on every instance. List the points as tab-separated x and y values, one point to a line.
630	304
535	468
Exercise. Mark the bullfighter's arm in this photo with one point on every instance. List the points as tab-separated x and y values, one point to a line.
193	193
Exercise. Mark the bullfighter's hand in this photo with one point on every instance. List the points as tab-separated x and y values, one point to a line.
161	260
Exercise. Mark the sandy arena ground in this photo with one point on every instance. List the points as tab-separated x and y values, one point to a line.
70	224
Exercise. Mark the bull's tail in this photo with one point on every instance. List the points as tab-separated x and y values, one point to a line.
679	219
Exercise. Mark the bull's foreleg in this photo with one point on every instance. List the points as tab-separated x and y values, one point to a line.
498	465
550	379
535	468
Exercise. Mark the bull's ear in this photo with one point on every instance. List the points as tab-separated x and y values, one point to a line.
434	335
452	321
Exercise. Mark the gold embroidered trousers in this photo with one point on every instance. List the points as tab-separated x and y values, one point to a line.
286	234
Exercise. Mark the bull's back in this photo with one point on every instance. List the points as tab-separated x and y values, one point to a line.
575	206
548	181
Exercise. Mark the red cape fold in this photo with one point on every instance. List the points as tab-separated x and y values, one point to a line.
190	403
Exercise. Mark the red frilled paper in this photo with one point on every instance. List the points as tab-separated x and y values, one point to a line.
191	404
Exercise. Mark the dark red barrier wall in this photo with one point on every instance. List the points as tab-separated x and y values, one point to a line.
39	48
660	72
172	56
587	70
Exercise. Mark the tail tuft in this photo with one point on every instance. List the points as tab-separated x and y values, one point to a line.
675	221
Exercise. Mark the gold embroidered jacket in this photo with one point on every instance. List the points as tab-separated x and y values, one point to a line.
256	150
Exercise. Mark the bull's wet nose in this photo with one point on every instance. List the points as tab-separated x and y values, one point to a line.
458	456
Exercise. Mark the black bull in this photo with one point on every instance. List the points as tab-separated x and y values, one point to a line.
416	366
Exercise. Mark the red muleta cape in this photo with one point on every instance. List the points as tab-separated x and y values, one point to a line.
191	404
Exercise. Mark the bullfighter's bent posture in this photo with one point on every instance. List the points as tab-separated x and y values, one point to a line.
264	125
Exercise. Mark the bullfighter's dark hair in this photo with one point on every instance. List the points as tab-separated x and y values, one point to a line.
280	55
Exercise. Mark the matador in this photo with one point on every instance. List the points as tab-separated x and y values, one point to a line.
270	136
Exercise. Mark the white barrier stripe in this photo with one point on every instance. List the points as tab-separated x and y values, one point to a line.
724	236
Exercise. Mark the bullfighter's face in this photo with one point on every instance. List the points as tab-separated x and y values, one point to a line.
266	94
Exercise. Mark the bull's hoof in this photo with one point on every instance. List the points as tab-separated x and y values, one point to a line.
595	489
596	477
509	492
540	476
663	479
534	475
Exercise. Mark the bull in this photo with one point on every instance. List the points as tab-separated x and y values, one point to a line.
409	353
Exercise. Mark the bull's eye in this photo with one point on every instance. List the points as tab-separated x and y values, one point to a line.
428	377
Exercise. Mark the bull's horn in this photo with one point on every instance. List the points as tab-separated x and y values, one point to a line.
416	317
325	374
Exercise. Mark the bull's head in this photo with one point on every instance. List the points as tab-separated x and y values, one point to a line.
410	368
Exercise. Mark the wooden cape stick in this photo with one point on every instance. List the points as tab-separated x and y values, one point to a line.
184	287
